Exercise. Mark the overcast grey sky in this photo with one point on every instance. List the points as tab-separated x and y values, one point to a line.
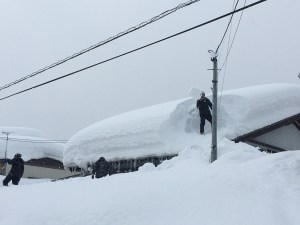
37	33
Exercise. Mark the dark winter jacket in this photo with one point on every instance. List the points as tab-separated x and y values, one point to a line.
101	168
17	167
203	104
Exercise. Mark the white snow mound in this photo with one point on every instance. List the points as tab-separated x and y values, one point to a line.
170	127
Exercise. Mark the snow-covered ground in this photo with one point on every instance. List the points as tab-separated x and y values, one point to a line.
244	186
168	128
26	181
25	141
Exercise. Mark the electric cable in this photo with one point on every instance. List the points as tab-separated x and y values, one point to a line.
137	49
228	45
226	58
33	140
228	51
130	30
227	27
220	51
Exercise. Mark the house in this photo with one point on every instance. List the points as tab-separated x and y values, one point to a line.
43	158
129	140
283	135
266	116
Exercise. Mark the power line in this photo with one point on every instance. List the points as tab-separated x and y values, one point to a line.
34	140
222	45
227	27
137	49
228	52
228	45
130	30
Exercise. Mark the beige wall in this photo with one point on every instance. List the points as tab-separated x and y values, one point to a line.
43	172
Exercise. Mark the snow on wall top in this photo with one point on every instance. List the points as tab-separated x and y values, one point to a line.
170	127
20	143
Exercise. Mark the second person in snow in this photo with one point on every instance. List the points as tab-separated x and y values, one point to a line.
100	168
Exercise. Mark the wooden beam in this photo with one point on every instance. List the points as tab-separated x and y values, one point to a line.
297	124
268	146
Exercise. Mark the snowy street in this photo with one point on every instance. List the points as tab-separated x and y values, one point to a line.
244	186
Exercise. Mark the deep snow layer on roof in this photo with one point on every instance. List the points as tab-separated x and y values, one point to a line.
247	109
21	143
133	134
170	127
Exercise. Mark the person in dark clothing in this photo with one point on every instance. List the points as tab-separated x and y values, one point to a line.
101	168
16	171
204	106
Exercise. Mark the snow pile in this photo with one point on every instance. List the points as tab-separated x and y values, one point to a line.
247	109
244	186
22	141
133	134
170	127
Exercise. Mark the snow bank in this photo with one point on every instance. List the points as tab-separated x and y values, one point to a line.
170	127
244	186
20	143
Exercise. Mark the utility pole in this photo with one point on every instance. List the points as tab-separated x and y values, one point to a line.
214	148
6	133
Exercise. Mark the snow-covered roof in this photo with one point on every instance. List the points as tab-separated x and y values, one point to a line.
162	129
24	140
247	109
132	134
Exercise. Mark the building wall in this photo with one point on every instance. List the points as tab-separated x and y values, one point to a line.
43	172
287	137
131	165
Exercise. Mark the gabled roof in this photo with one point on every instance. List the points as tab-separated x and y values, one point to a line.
252	137
290	120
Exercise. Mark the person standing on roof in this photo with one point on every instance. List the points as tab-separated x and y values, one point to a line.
16	171
101	168
204	106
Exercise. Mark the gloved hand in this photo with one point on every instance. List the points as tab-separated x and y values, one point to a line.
93	176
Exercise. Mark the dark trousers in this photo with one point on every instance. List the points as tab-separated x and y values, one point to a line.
202	121
100	175
9	177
